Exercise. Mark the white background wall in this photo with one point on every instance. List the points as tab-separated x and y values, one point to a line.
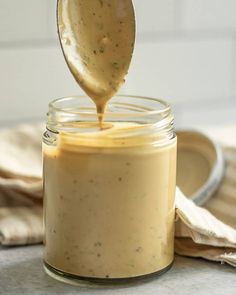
185	52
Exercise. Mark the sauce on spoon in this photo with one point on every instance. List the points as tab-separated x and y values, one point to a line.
97	38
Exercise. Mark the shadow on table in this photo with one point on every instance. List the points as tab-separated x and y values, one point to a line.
27	277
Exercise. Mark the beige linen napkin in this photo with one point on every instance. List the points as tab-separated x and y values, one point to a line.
21	185
198	232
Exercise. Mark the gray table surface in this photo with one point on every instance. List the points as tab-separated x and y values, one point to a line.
21	272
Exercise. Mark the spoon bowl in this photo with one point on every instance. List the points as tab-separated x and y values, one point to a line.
97	38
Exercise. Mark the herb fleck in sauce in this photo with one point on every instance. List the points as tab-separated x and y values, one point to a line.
94	35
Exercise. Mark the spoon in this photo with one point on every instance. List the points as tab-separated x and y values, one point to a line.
97	39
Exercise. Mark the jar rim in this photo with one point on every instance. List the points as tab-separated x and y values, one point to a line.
148	118
145	111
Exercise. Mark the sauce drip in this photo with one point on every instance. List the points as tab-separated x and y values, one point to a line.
97	38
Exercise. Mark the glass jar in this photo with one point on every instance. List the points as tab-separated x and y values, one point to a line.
109	193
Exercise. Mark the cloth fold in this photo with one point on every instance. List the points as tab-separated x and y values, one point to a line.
21	185
200	234
208	232
21	225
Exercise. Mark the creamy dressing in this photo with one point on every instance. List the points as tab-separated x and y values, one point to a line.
109	210
97	38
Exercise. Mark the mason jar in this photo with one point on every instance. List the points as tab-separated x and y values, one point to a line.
109	191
